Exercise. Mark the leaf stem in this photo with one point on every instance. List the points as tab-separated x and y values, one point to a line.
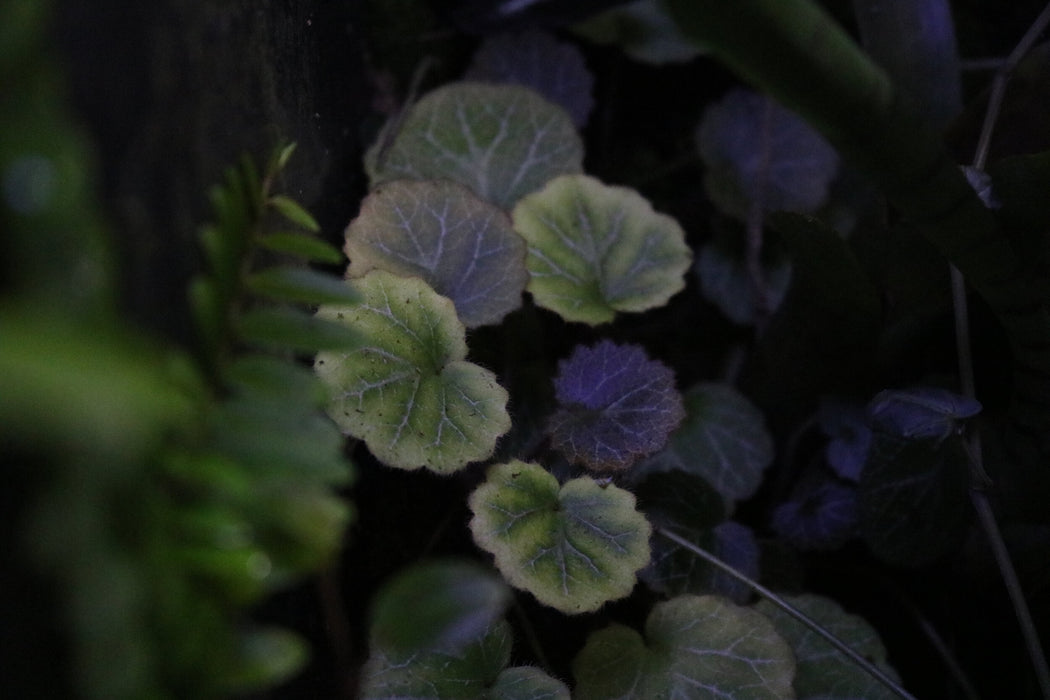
794	612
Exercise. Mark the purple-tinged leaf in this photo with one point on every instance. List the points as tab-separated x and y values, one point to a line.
818	516
616	406
537	60
846	425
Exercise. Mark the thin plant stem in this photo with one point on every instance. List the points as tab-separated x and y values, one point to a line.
791	610
1002	76
979	478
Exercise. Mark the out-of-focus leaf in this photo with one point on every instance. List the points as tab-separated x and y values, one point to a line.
535	59
502	141
676	571
595	249
575	547
756	150
268	656
406	389
725	281
616	405
824	672
291	329
723	439
440	231
442	605
300	285
301	246
294	212
694	647
436	674
643	30
849	436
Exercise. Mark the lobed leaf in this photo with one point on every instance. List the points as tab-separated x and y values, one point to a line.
595	249
527	683
722	439
439	231
406	388
757	151
694	647
824	672
615	406
574	547
819	515
921	412
676	571
726	282
536	59
501	141
438	674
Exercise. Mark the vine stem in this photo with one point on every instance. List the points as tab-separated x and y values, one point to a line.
979	478
791	610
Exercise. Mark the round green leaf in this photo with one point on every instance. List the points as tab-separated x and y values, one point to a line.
595	249
462	246
575	547
527	683
406	389
439	605
824	672
694	647
439	674
723	439
502	141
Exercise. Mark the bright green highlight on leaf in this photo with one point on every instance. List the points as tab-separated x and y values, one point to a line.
723	439
823	672
694	647
502	141
406	389
574	547
440	231
596	249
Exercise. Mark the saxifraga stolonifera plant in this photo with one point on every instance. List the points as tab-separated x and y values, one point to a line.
617	480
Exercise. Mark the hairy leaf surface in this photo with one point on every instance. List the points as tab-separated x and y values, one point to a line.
502	141
694	647
616	405
596	249
438	230
575	547
406	389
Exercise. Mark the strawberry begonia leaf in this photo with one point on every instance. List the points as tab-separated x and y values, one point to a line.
501	141
757	151
849	436
722	439
405	388
575	546
823	672
438	230
442	605
527	683
694	647
597	249
535	59
615	406
726	282
676	571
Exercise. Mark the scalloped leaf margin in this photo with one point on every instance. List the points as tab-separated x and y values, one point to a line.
406	389
440	231
501	141
597	249
575	547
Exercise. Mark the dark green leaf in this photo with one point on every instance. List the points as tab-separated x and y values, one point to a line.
302	285
290	329
442	605
302	246
294	212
